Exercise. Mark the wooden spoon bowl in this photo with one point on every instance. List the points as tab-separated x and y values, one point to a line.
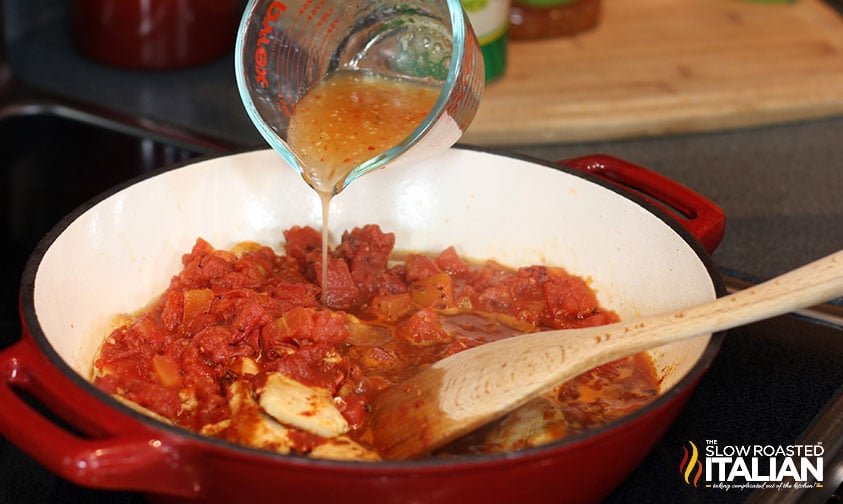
472	388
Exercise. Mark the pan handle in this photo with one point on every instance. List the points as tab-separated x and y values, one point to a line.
699	215
88	443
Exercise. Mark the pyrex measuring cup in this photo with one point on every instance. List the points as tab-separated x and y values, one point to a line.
286	48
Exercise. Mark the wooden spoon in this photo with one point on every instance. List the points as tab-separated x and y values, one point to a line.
472	388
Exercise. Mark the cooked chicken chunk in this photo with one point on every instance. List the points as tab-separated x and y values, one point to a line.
249	425
343	448
311	409
538	422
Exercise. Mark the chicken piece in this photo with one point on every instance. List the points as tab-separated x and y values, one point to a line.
311	409
538	422
245	366
343	448
249	425
240	394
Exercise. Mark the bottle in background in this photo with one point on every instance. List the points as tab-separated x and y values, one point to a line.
490	20
538	19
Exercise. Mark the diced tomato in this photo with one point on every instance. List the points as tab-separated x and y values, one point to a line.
274	339
420	267
423	329
489	274
392	306
392	281
147	330
197	303
303	244
173	312
298	323
309	365
250	272
200	248
211	403
353	408
495	299
195	364
377	359
227	302
569	300
167	370
342	290
366	250
250	317
291	295
124	358
528	284
435	291
160	399
205	268
256	266
451	262
317	326
330	327
213	343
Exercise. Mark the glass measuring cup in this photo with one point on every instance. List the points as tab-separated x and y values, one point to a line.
285	49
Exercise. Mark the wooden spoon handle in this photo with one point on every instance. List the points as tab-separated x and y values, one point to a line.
469	389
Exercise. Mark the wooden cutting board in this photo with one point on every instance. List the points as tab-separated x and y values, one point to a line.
656	67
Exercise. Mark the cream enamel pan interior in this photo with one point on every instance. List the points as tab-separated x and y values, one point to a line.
121	253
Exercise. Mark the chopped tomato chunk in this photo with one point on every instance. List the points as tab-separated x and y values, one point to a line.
435	291
167	370
424	328
392	306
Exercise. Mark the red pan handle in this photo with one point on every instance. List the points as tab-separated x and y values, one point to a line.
93	444
699	215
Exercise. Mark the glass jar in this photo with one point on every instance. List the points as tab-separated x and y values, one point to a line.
155	34
537	19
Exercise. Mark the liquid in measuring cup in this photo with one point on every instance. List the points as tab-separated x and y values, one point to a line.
346	120
351	117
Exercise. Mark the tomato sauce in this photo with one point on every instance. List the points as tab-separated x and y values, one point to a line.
207	355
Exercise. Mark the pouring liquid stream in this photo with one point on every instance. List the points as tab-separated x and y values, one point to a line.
346	120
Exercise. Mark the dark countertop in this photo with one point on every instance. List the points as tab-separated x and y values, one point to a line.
781	187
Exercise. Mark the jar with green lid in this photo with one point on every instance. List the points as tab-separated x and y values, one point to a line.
537	19
490	20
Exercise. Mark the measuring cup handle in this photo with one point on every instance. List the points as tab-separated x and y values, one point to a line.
76	436
699	215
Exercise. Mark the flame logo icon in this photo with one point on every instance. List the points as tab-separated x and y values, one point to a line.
691	465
